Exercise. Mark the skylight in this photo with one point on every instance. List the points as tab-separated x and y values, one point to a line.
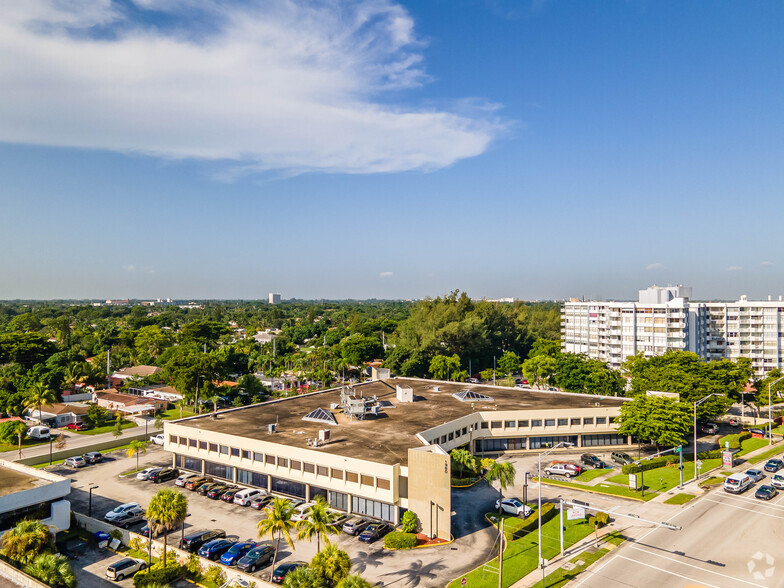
320	416
471	396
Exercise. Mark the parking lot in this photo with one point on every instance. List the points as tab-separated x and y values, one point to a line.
420	567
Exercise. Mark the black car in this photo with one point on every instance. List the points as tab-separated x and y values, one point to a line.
283	569
765	492
774	465
193	541
374	532
212	550
256	558
163	475
204	488
217	491
93	457
228	496
145	530
591	461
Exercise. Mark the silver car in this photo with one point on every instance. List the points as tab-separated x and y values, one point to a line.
145	474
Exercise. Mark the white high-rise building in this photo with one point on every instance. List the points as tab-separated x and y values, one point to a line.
274	298
665	318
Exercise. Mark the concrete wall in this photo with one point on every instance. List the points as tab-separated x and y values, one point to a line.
123	439
18	576
429	490
51	487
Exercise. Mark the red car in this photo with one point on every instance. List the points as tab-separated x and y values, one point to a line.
77	426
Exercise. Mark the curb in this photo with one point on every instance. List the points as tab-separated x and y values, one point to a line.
468	485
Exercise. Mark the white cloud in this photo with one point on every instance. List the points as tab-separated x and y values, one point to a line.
655	266
766	263
734	268
129	268
285	85
386	275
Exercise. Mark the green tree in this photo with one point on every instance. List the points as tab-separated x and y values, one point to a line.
487	374
96	416
409	522
13	430
251	385
319	520
464	460
135	448
539	369
332	564
39	394
74	374
503	473
167	511
117	431
662	421
26	541
441	366
358	348
354	581
304	577
277	522
509	362
53	570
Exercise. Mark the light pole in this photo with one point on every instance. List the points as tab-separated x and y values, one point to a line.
696	404
539	510
90	501
770	411
196	405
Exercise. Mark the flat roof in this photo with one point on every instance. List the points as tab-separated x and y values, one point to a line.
385	438
15	481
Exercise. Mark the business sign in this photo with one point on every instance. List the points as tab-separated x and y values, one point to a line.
574	514
632	481
726	459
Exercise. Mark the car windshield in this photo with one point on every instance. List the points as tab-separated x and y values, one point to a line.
514	502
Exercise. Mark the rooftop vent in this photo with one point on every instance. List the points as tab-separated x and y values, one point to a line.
404	394
471	396
320	416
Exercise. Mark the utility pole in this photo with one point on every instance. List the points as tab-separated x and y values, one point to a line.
494	370
501	553
108	369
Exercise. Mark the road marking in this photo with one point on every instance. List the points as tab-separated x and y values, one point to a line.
668	572
764	514
757	501
692	565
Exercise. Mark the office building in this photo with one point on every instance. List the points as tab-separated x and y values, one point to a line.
274	298
27	492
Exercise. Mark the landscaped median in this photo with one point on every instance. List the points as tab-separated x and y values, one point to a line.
612	489
578	564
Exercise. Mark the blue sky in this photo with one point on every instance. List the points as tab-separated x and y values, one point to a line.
191	149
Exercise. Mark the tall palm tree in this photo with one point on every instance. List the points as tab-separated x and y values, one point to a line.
181	404
26	541
74	374
215	399
167	510
135	448
332	564
354	581
319	520
53	570
504	474
17	429
38	395
278	522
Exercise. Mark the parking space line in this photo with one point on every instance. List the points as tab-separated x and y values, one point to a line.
668	572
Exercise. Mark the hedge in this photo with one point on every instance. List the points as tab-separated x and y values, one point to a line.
158	574
400	540
651	464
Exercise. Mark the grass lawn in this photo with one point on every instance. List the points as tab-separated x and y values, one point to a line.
602	488
521	555
666	478
589	475
750	445
562	577
105	429
766	455
174	413
26	442
681	498
712	481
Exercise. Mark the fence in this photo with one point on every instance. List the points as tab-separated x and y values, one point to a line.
71	451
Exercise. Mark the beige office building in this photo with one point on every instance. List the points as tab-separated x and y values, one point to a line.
381	447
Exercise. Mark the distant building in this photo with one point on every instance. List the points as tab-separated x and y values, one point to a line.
126	404
132	373
274	298
665	318
27	492
59	414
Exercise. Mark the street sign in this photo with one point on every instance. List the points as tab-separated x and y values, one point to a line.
726	459
574	514
464	581
632	481
679	449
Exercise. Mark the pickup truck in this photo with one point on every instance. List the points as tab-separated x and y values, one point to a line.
157	439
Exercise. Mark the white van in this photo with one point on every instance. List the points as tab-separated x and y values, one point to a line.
38	432
737	483
245	497
777	481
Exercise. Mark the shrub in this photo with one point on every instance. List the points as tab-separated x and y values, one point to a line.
193	565
409	523
158	574
712	454
400	540
651	464
602	519
116	534
216	575
136	544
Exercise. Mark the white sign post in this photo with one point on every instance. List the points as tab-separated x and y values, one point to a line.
632	481
574	514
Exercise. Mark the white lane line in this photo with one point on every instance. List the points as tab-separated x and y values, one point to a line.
678	561
668	572
757	501
764	514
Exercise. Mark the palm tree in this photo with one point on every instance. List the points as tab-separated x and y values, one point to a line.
135	448
319	520
53	570
73	374
464	459
167	511
26	541
277	522
38	395
303	577
504	474
215	399
332	564
181	404
356	581
17	429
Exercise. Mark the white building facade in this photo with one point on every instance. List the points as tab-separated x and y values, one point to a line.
664	318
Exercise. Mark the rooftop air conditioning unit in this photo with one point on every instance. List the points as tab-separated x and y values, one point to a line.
437	388
334	405
404	394
271	428
325	435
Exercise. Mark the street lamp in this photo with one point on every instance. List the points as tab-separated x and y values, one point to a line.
539	510
90	501
770	411
696	404
182	533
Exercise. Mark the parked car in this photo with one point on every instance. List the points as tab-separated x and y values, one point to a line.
340	518
734	422
592	461
709	428
737	483
245	496
256	558
194	483
183	479
777	481
300	512
212	550
236	551
765	492
93	457
755	475
195	539
472	380
217	491
204	488
774	465
569	470
758	433
125	568
77	426
146	473
260	502
621	458
374	532
38	432
355	525
163	475
513	506
280	572
228	495
157	439
75	462
125	514
145	530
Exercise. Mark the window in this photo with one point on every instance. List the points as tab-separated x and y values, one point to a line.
485	425
510	424
536	423
283	462
366	480
443	438
235	452
309	468
549	422
606	439
382	483
373	508
213	447
315	492
245	454
224	449
269	459
495	424
451	437
202	445
183	440
563	422
218	470
457	433
296	464
252	478
258	456
337	474
338	500
539	442
588	421
189	463
172	438
522	424
191	442
601	420
289	487
322	470
575	422
352	477
465	431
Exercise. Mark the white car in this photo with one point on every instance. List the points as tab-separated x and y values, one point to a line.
120	511
145	474
157	439
245	497
125	568
184	478
513	506
301	511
